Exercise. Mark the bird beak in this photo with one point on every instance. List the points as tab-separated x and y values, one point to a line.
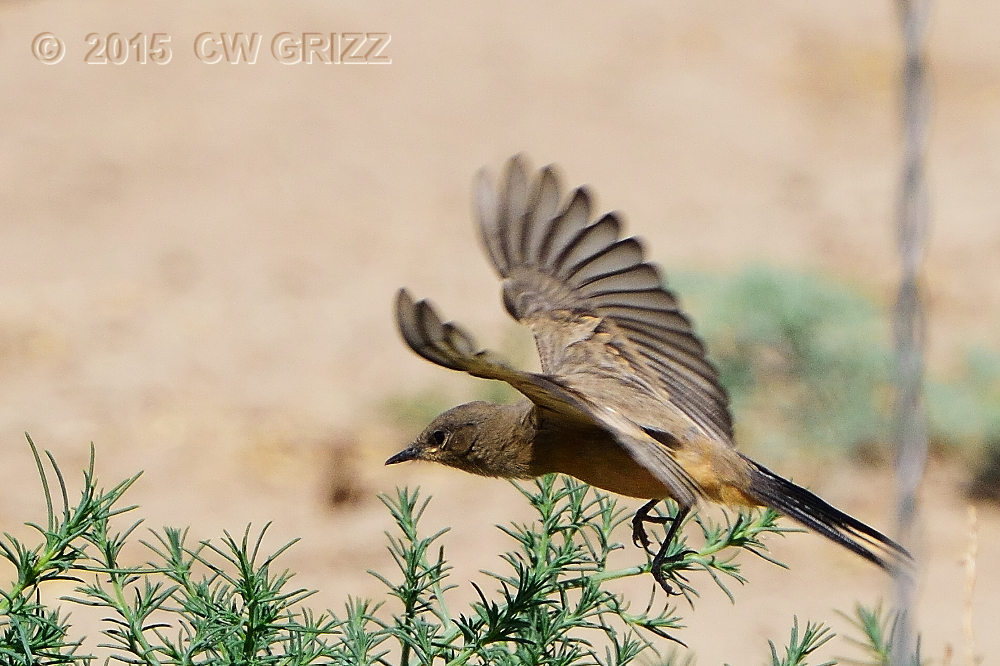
406	454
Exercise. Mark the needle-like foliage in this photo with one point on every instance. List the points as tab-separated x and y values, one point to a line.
551	601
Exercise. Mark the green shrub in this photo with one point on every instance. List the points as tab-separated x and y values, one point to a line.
807	363
965	411
805	359
226	602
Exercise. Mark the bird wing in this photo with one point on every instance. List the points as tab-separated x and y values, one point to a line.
598	310
448	345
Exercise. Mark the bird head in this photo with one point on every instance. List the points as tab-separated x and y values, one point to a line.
473	437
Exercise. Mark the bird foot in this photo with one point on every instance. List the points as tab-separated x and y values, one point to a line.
639	536
656	568
660	558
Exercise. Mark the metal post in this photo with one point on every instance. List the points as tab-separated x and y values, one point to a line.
908	315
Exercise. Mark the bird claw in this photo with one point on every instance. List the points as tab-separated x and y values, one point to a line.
642	540
656	568
639	536
661	580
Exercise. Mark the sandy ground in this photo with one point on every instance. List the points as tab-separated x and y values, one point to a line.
199	259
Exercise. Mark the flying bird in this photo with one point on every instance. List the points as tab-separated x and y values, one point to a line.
626	399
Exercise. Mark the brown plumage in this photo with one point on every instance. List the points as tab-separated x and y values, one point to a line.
626	399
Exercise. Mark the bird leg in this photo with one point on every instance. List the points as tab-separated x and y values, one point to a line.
641	539
639	536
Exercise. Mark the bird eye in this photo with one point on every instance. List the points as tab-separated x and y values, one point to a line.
438	438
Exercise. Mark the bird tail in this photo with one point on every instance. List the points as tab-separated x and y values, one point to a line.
797	503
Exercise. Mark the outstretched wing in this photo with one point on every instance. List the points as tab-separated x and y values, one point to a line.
593	303
446	344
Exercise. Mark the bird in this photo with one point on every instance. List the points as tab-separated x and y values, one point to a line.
626	399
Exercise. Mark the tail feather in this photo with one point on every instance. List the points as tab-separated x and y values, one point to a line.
799	504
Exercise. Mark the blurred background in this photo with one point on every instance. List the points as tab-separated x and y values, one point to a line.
199	260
